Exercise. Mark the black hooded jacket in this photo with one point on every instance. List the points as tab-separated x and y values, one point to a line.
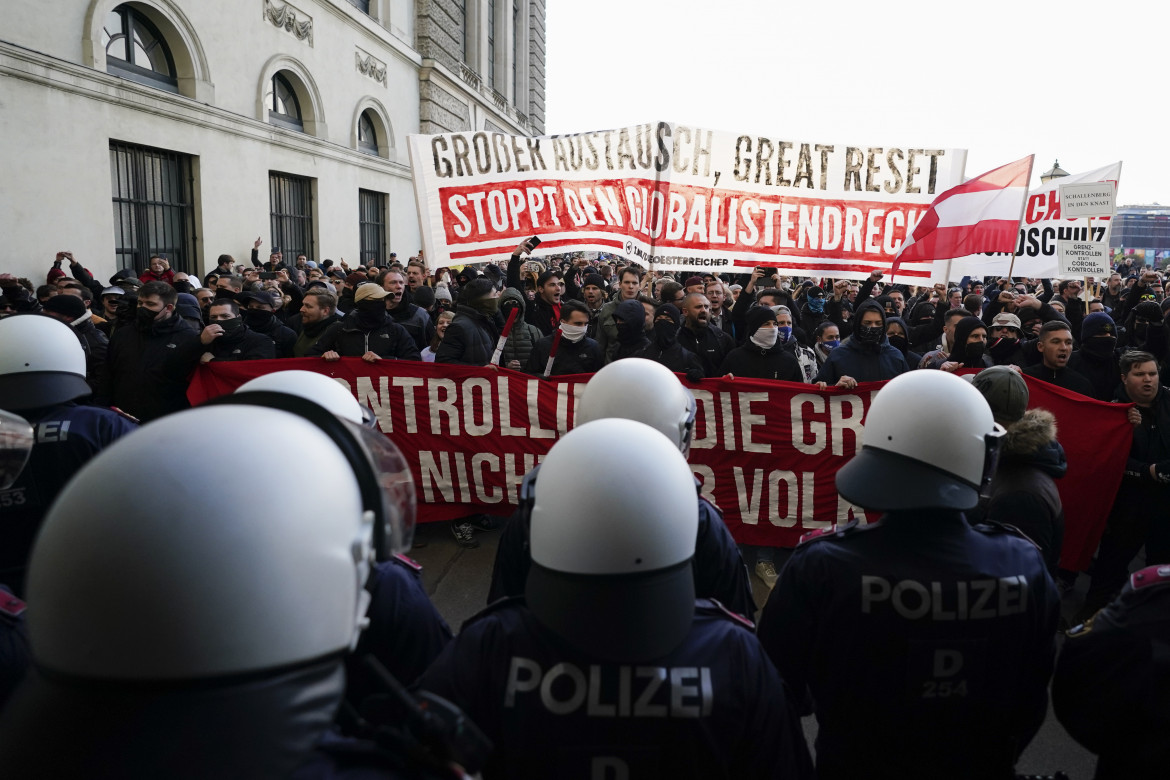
753	362
244	344
630	318
1096	360
470	339
146	373
963	330
912	358
864	362
669	352
349	339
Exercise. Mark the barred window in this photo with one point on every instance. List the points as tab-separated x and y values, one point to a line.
291	203
372	225
153	206
136	50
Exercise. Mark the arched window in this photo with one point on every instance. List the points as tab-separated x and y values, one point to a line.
367	134
284	109
136	50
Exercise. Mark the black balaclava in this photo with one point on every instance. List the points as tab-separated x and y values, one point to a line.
970	355
666	333
923	313
369	314
1147	330
258	320
1098	336
869	337
630	318
902	342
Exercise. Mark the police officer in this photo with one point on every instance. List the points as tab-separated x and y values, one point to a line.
645	391
608	666
181	634
919	624
42	374
405	632
1112	681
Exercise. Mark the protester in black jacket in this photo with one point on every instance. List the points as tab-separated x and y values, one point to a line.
149	363
630	318
867	356
710	344
471	337
898	334
318	313
260	316
762	357
1096	360
367	332
233	340
71	310
665	349
576	354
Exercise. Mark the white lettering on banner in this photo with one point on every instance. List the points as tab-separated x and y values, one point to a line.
786	491
634	691
974	600
845	414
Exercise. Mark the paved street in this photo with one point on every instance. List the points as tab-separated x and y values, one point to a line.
457	580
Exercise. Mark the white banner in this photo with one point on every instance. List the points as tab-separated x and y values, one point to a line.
678	197
1043	226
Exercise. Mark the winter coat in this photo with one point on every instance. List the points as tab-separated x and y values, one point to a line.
346	338
1023	492
310	334
523	337
247	344
752	362
146	374
584	357
710	344
416	320
863	362
470	339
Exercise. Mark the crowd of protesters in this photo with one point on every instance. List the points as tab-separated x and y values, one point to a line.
143	335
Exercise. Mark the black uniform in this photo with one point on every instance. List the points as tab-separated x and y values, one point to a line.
405	633
926	644
67	437
713	707
1112	681
718	566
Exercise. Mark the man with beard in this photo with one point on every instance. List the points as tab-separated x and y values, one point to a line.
720	317
700	337
1055	347
318	313
1004	343
148	363
367	332
259	314
403	311
1096	360
664	346
1113	293
593	293
228	339
867	356
762	357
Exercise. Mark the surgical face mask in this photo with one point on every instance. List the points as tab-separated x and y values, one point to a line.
573	333
816	305
784	333
765	338
830	344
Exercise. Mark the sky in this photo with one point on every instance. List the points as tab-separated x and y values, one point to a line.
1076	81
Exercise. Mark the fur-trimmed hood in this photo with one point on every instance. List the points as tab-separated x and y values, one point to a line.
1032	440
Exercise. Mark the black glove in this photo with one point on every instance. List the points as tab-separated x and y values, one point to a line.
695	375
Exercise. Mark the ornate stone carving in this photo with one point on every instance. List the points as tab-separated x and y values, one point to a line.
370	66
285	17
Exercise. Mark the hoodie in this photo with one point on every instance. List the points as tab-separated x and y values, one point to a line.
629	318
863	362
1096	360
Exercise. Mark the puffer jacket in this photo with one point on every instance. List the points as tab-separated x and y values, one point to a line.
524	335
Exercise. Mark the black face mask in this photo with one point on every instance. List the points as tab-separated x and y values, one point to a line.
370	314
973	354
869	334
628	331
665	333
1000	349
899	343
257	319
231	326
1100	346
226	292
145	319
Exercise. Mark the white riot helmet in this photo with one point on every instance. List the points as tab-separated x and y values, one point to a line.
612	541
310	385
41	363
908	461
642	390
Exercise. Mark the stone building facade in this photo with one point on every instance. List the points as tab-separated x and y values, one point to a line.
192	128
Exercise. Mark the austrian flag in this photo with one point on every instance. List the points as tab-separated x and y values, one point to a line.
979	215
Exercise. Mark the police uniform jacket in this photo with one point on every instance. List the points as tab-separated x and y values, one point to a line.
926	645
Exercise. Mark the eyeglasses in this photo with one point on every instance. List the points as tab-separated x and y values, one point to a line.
1148	297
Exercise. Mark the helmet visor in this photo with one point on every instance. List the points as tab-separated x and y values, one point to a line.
395	487
16	443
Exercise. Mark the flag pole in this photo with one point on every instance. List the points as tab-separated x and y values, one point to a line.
1023	207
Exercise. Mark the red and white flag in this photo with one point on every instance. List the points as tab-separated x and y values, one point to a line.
979	215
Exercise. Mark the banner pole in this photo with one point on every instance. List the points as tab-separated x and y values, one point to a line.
1020	221
1086	276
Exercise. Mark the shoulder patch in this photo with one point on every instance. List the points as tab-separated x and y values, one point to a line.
409	563
10	606
990	527
715	607
1150	576
834	530
126	415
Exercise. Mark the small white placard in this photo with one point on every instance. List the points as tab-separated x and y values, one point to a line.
1083	258
1091	199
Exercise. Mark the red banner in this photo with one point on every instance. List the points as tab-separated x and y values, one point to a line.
766	452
